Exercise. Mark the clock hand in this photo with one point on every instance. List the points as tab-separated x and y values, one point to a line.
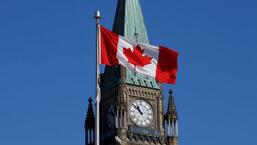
138	109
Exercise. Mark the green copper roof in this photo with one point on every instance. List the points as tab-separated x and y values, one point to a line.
129	22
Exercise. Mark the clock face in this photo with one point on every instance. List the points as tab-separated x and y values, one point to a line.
111	117
141	112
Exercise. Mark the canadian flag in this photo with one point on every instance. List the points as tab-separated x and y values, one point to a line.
158	62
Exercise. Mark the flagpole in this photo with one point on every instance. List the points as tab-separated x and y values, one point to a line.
98	93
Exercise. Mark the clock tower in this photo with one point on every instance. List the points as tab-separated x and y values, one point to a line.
132	104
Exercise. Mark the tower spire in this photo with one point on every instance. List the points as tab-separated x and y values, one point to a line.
171	122
129	17
90	124
129	22
171	104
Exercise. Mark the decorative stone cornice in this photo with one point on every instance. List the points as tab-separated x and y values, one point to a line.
143	92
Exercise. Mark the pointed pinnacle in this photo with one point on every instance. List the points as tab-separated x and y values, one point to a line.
90	118
90	99
171	103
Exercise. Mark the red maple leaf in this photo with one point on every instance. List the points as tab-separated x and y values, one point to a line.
136	57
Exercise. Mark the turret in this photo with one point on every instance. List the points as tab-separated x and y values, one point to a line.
171	122
90	124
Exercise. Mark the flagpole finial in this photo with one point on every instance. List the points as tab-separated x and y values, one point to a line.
97	16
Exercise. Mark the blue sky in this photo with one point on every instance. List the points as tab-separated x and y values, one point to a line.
47	64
